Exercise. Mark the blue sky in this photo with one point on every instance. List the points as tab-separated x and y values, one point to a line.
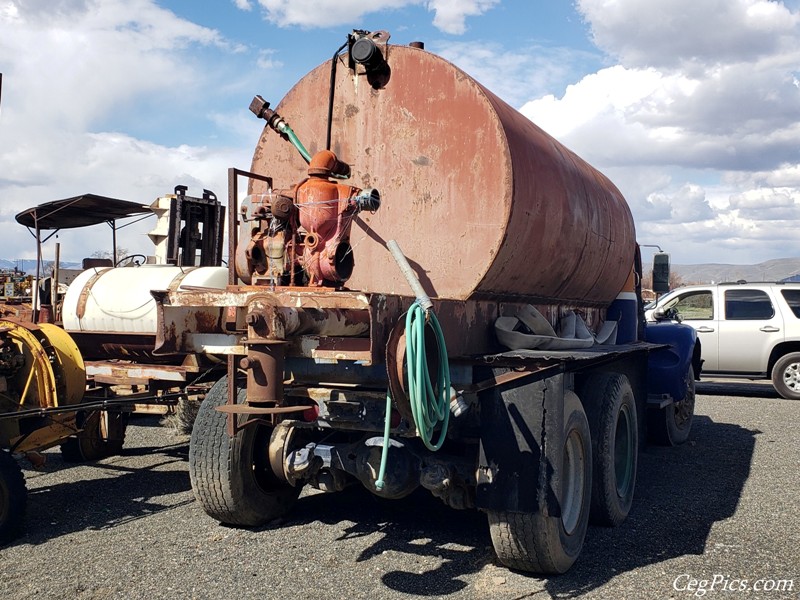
692	108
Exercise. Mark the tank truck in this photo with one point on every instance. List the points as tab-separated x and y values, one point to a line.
425	289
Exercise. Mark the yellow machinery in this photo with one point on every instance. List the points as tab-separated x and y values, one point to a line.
42	380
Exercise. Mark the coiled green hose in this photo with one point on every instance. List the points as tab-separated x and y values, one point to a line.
430	406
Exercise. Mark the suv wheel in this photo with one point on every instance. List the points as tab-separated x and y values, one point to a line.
786	376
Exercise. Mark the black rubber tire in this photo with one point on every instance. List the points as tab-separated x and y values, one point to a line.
611	408
90	443
786	376
231	476
548	545
672	425
13	498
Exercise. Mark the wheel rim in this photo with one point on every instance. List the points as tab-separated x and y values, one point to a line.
623	451
791	376
573	481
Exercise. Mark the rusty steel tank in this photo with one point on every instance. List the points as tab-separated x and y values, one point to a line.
485	204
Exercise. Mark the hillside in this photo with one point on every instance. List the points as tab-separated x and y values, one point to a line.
771	270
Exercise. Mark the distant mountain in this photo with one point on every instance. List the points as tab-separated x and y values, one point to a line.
771	270
28	265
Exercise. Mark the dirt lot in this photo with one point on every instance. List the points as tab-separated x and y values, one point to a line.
725	507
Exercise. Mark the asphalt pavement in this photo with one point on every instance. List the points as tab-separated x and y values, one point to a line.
716	518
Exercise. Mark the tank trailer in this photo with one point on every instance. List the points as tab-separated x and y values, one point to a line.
433	293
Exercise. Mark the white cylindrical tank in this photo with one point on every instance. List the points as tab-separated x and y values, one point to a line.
119	300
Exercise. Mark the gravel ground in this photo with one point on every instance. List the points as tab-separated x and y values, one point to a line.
724	505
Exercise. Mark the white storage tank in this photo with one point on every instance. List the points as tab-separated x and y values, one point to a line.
119	300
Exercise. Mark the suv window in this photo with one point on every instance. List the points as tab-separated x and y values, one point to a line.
693	305
746	305
792	298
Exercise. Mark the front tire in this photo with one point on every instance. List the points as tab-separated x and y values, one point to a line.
672	425
231	476
615	446
13	497
786	376
550	545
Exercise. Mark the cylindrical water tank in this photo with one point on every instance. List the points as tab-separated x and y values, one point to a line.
118	300
484	204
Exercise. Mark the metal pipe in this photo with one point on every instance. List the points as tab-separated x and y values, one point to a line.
423	298
264	364
54	287
38	267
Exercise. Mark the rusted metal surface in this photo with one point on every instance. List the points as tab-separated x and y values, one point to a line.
264	366
80	310
486	204
301	235
188	319
326	325
129	373
118	345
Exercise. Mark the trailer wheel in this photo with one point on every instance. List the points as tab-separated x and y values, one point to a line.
102	435
615	446
786	376
231	476
671	426
13	497
544	544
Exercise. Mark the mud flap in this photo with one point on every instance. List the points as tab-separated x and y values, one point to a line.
521	441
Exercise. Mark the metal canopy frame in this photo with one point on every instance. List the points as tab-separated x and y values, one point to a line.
70	213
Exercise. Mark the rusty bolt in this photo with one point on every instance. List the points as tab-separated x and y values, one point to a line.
247	363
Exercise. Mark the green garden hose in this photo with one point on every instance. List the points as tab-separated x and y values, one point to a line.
295	141
430	404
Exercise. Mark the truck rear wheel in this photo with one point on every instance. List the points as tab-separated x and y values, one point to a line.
671	426
545	544
786	376
13	497
615	446
231	476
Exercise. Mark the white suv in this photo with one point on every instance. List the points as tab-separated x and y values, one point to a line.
745	329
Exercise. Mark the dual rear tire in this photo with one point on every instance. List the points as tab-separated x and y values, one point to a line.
551	544
597	475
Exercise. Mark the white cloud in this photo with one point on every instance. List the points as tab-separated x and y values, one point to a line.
266	59
77	75
705	101
671	33
687	204
450	15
